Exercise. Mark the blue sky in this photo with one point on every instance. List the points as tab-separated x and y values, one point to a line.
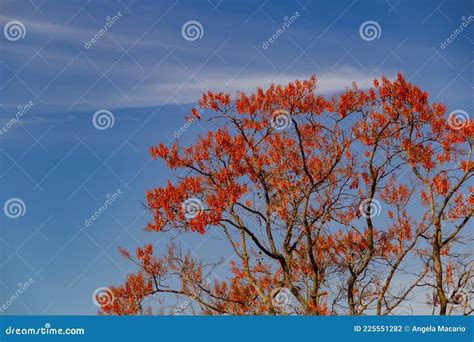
148	76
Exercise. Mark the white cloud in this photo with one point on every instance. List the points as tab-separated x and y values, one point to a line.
183	91
129	84
80	35
342	78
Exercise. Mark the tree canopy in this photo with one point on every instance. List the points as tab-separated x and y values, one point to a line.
351	204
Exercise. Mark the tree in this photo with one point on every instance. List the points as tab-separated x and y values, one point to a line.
351	204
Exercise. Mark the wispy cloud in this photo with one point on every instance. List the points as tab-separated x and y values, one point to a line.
110	76
79	35
183	91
